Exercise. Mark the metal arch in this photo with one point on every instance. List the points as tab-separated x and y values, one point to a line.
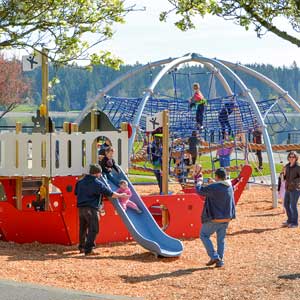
248	95
270	108
266	80
117	81
166	69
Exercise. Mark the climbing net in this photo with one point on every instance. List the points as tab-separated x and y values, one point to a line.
182	118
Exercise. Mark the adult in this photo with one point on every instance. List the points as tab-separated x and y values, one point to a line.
104	146
193	142
292	192
108	164
156	159
89	191
218	211
101	149
257	139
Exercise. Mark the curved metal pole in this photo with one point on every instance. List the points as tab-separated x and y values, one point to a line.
117	81
248	95
266	80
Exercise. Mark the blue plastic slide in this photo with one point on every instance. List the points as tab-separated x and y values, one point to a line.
143	227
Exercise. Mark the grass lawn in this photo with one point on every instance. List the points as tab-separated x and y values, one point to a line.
206	163
25	108
135	179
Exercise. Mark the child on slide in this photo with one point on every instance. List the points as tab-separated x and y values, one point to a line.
125	202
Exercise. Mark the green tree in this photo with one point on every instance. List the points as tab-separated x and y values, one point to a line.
63	27
263	14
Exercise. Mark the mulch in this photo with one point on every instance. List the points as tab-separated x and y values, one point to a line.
261	262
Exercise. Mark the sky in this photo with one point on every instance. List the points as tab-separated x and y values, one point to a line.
143	38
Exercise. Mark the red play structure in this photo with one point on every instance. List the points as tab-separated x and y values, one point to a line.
59	224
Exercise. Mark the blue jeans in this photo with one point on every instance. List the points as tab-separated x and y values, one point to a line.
206	231
290	205
224	161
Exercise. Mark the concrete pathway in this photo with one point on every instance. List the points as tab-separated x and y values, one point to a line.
12	290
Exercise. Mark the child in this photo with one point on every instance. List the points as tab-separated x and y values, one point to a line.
224	155
200	102
197	174
125	202
182	166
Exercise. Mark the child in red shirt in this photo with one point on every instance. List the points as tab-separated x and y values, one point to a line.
200	102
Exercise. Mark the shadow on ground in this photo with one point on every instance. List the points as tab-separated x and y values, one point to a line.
178	273
290	276
255	230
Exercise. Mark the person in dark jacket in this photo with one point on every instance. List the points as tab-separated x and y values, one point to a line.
156	159
104	146
257	139
223	117
109	167
89	191
193	142
218	211
292	190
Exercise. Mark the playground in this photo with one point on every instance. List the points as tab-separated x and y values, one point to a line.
156	253
261	262
170	174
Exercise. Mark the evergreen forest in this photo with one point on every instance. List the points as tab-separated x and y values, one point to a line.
78	85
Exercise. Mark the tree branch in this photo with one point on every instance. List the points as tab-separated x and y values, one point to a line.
270	27
8	109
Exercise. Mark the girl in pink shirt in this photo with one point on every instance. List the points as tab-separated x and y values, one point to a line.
125	202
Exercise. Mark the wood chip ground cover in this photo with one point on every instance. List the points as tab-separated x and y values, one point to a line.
262	262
